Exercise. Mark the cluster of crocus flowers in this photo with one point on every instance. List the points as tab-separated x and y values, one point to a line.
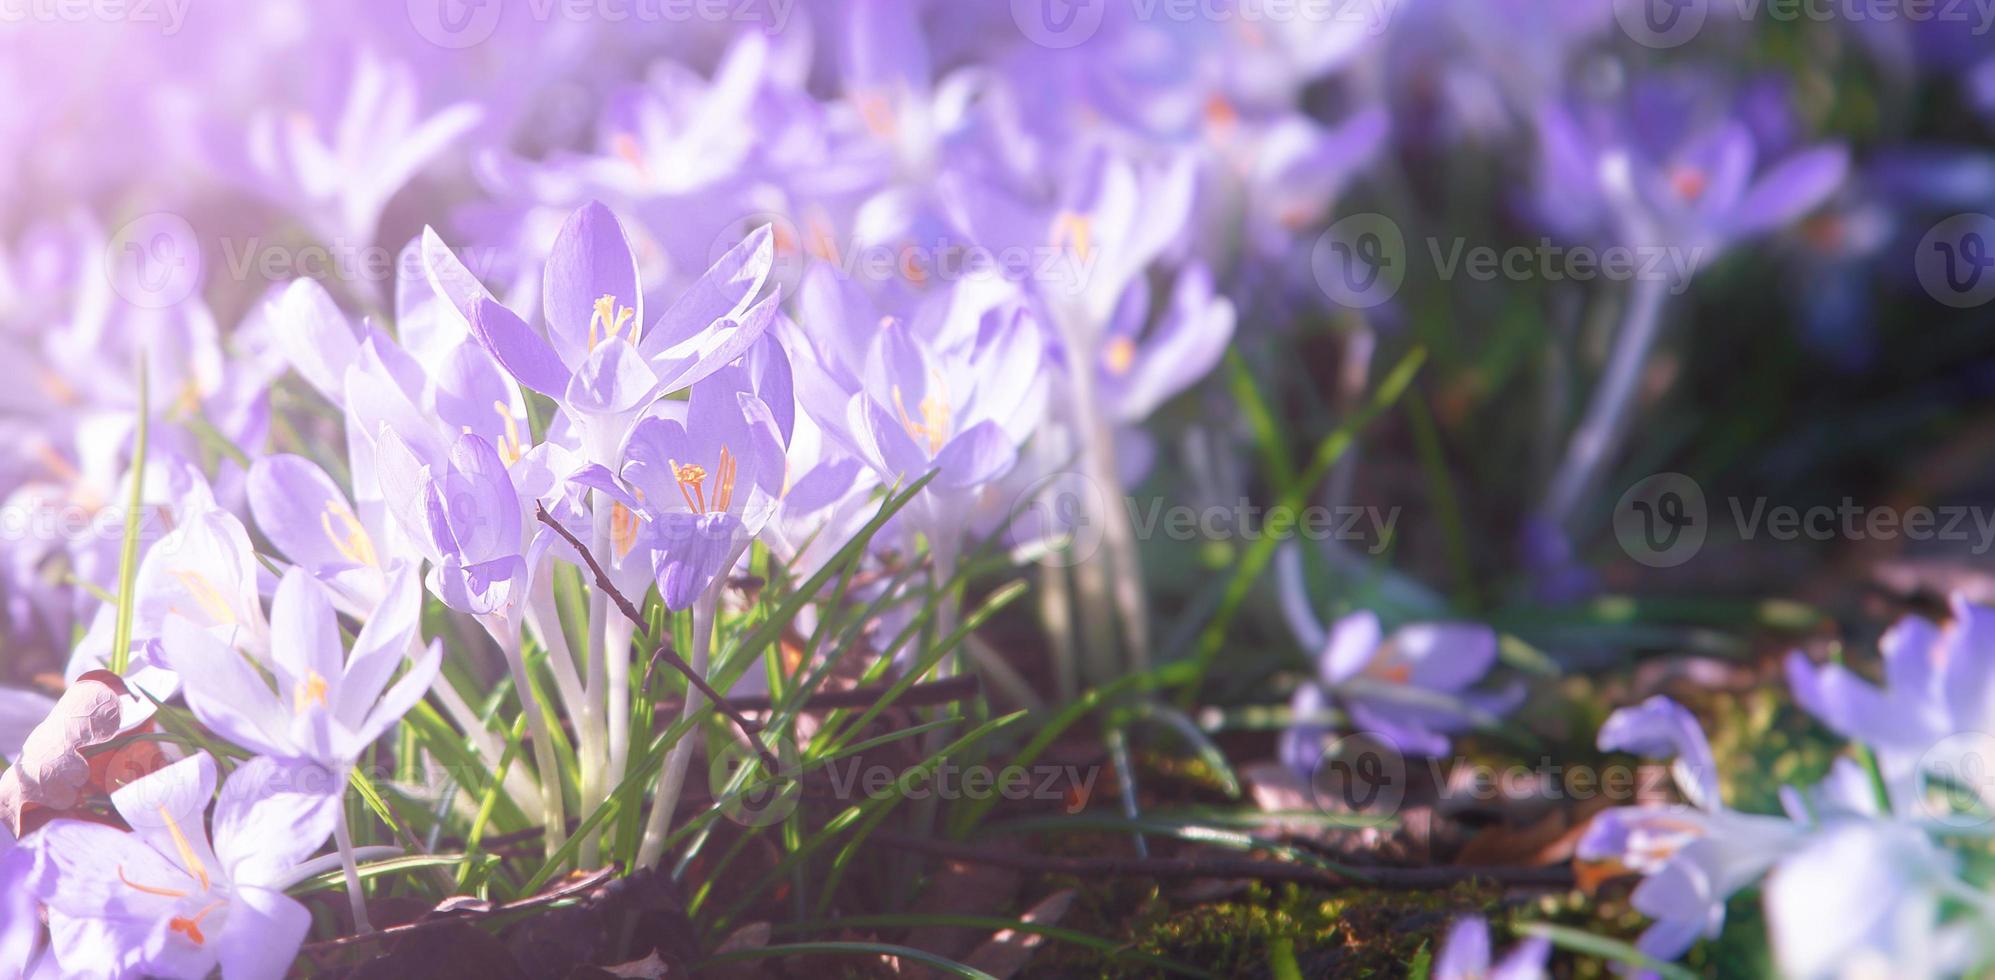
1873	849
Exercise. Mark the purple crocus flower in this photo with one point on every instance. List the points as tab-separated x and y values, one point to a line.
1675	166
1693	858
1938	682
599	360
161	900
1466	955
327	706
1411	687
709	482
337	165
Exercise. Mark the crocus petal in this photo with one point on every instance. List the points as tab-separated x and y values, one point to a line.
721	293
691	553
518	349
1854	708
272	815
1790	189
448	276
1353	641
1465	953
613	379
263	933
591	259
303	513
1445	656
305	645
379	648
20	923
975	457
224	691
316	338
168	809
1661	728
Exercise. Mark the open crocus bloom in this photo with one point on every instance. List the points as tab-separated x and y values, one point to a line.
326	707
709	483
1412	687
1694	857
600	360
159	900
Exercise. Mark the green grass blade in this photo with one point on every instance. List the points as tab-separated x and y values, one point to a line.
128	550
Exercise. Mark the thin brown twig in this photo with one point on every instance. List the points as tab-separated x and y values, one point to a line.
664	650
1440	876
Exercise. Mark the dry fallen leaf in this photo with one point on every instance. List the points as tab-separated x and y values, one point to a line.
52	771
1006	953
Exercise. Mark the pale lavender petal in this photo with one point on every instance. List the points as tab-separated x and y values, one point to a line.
1445	656
223	690
1354	641
273	815
263	933
304	633
379	648
518	349
591	259
611	380
1465	954
1661	728
1790	189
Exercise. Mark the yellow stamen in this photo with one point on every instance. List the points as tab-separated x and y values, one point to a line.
1075	231
148	889
724	488
310	691
935	416
692	479
612	319
510	447
1120	355
187	855
210	598
350	539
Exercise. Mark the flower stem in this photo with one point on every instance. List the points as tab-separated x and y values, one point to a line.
343	837
1607	413
672	778
552	807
